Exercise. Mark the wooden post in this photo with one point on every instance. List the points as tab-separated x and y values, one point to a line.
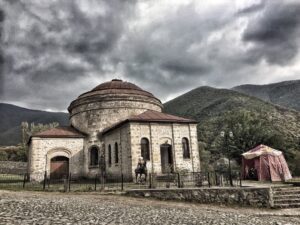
24	180
179	183
150	180
45	179
240	179
65	184
95	182
122	180
69	181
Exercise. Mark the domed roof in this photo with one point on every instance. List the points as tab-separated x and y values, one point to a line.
117	86
115	94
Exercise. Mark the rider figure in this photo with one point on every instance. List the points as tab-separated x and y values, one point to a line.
141	168
141	163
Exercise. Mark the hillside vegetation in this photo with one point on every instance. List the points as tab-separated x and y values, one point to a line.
214	108
12	116
285	93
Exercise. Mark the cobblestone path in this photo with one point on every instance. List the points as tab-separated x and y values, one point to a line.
57	208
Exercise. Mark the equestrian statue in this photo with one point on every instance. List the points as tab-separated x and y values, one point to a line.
141	170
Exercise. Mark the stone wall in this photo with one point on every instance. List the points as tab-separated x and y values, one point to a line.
161	133
165	133
257	197
41	150
92	117
120	136
10	167
93	113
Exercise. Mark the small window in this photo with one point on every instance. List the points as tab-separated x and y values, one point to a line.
185	148
145	151
116	153
94	156
109	155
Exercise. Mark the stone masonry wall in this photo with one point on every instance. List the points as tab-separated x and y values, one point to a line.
130	148
93	117
120	136
257	197
96	113
41	150
11	167
161	133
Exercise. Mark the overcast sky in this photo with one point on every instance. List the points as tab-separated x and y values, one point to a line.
53	50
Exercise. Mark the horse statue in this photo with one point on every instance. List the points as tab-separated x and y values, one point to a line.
141	170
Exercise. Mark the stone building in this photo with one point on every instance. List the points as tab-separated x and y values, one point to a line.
111	127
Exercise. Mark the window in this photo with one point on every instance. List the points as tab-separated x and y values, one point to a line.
145	152
94	156
185	148
109	155
116	153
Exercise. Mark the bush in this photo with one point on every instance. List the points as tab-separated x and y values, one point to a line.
3	156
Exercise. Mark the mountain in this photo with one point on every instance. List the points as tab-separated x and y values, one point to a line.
286	94
205	103
12	116
209	106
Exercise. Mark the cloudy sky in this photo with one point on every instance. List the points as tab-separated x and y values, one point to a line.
53	50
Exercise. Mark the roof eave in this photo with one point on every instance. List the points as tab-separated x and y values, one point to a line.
144	121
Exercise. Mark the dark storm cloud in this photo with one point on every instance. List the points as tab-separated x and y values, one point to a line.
2	17
275	33
53	45
165	56
253	8
181	67
55	50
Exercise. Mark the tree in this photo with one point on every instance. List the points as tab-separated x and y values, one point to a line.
3	156
27	131
248	130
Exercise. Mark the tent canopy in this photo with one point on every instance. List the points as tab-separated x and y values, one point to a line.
261	150
265	163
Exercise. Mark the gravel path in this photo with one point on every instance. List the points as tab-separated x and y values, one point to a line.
58	208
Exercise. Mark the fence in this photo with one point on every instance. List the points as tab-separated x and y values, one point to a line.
102	182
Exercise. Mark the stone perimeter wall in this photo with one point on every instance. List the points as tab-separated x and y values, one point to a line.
11	167
256	197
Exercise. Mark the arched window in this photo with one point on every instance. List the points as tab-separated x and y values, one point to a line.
185	148
145	151
94	156
109	155
116	153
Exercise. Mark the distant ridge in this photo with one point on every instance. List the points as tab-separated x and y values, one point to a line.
12	116
207	104
286	93
202	104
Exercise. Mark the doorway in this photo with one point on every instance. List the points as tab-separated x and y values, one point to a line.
59	167
166	158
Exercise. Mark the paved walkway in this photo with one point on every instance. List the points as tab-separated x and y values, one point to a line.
58	208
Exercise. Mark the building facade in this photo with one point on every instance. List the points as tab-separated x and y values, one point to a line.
111	127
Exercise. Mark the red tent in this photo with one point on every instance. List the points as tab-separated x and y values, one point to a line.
264	164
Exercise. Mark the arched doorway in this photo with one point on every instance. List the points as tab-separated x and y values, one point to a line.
166	158
59	167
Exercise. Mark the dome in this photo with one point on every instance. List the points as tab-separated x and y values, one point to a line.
117	86
108	103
